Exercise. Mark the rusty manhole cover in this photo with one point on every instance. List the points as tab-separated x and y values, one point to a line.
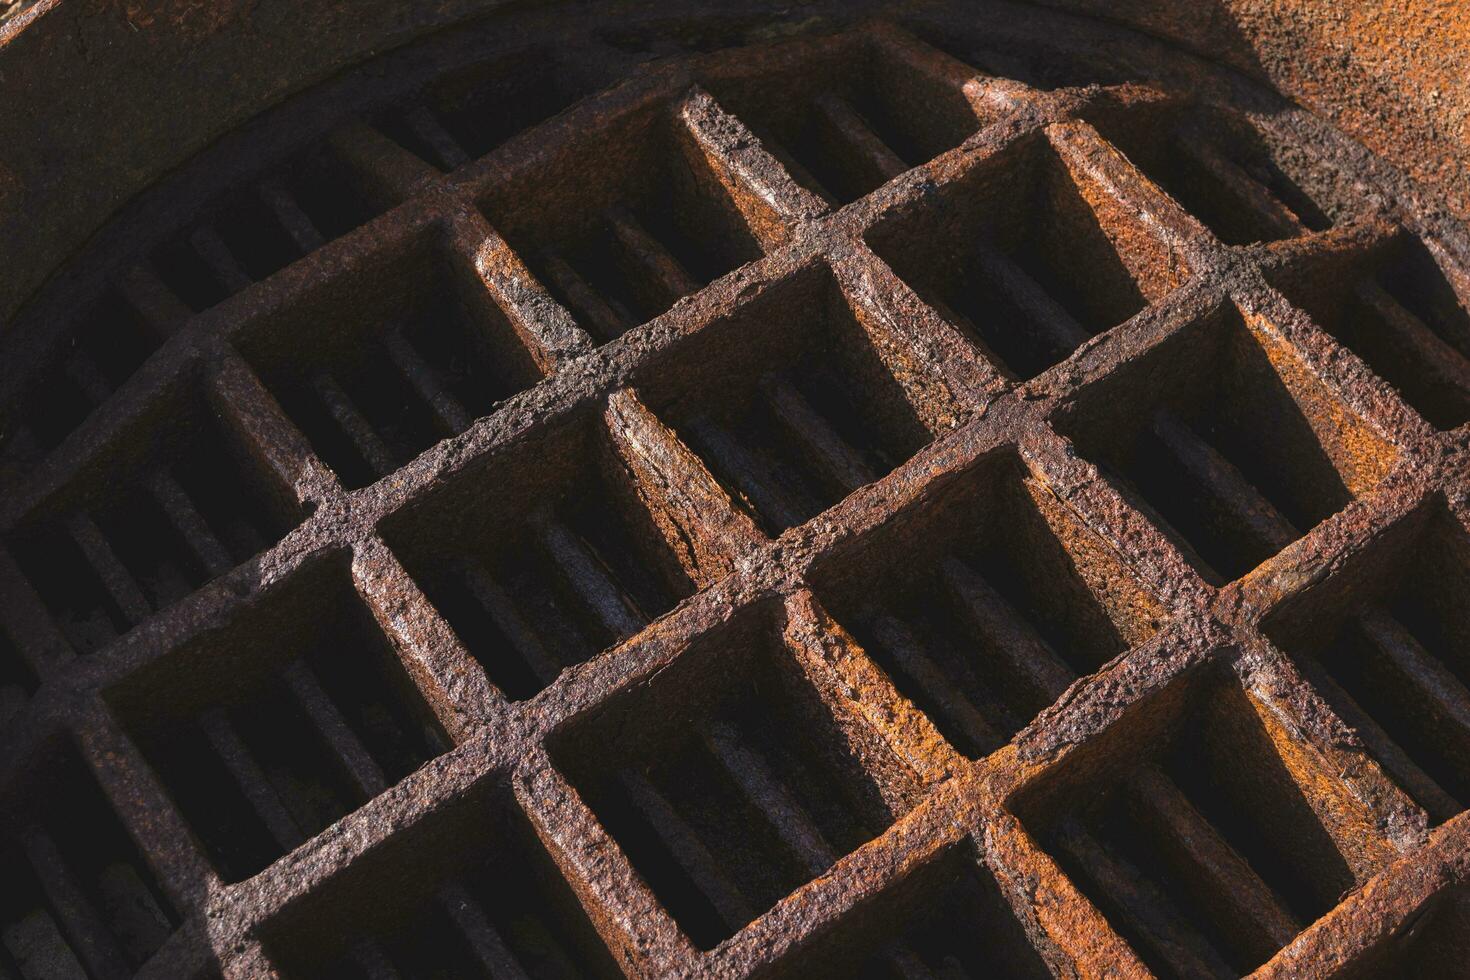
901	499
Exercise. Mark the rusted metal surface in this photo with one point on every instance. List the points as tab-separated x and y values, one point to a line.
822	504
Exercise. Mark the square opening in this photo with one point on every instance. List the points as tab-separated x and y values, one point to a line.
275	725
1401	312
1237	179
1201	831
845	115
950	918
468	891
654	226
110	341
987	602
250	233
383	362
1225	439
787	401
469	111
725	778
1386	642
176	500
79	898
541	558
1027	257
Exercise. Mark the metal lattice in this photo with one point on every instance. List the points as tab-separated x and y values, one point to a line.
812	506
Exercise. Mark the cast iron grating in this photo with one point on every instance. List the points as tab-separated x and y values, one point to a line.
814	508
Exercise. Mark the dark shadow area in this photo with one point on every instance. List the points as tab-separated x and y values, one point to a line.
541	559
1386	642
787	401
1189	831
466	892
1017	259
280	722
1228	443
725	779
986	605
1399	310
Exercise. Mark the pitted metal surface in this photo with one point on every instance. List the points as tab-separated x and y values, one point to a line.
888	500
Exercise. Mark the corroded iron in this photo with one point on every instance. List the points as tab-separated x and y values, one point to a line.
750	505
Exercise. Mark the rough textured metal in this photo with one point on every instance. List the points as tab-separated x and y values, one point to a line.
696	501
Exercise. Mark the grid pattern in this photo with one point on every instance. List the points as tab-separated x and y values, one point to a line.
626	554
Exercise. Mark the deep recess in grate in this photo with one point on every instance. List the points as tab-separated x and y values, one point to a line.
1399	311
1016	257
280	722
725	779
186	505
654	227
109	343
1201	837
1232	175
470	111
1386	642
987	605
1233	447
253	232
964	928
79	899
850	116
469	892
540	560
788	402
948	919
380	365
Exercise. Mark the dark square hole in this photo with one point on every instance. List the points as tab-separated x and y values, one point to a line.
110	342
847	114
1400	311
1239	181
277	724
383	363
469	891
253	231
987	602
542	558
724	779
787	401
182	501
1386	642
79	898
1225	439
947	919
1017	258
654	227
1204	835
469	111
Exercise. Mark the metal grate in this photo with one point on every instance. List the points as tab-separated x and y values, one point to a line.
814	507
